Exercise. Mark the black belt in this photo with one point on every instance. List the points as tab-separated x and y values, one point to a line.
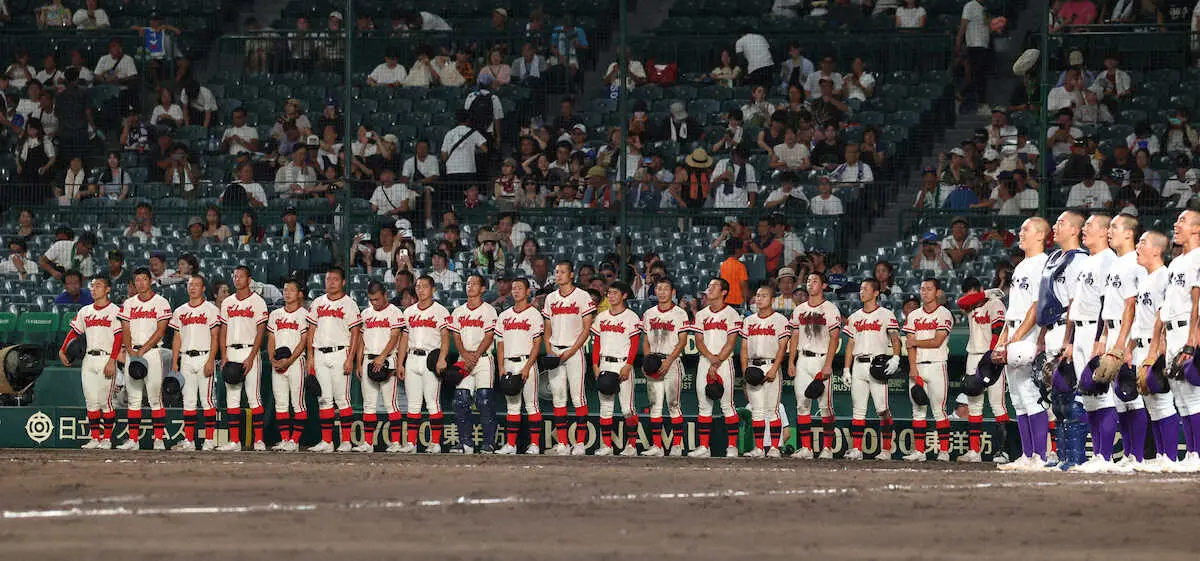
1139	343
1172	325
863	358
1111	323
371	356
1083	323
561	347
517	358
811	354
239	346
328	350
139	347
612	359
929	361
760	361
418	352
195	352
97	352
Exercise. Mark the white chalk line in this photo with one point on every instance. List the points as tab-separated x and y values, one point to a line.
122	511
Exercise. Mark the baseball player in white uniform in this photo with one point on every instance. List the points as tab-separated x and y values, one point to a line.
193	353
144	317
243	317
872	331
1181	329
474	327
287	328
1151	290
568	313
427	330
985	320
382	324
520	331
816	325
925	330
1020	330
765	345
614	347
665	327
1120	304
100	323
717	327
336	325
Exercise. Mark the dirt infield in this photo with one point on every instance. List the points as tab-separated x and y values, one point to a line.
147	505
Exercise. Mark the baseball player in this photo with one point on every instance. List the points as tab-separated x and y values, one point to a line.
1085	332
100	323
717	327
243	317
426	331
144	318
193	353
568	312
1120	304
872	331
1019	329
287	328
336	328
520	332
614	346
1151	289
474	327
1181	330
985	320
815	327
765	345
925	331
382	324
665	326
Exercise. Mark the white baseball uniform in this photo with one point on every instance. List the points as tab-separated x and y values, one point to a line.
1182	276
616	347
472	325
931	363
980	323
813	326
715	329
763	336
1085	314
424	328
1151	291
101	327
565	314
195	325
1022	296
242	320
662	329
517	331
332	321
871	333
377	329
288	329
1120	284
143	317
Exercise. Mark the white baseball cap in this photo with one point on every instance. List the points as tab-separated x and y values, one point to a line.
961	399
336	14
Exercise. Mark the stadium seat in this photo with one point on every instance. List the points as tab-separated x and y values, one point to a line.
38	328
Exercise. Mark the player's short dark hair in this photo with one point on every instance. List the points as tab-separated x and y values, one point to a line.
623	287
723	283
289	280
406	273
824	279
140	271
244	269
567	262
483	281
102	278
87	238
19	242
872	283
767	285
144	205
428	279
375	287
971	283
666	279
522	281
340	272
937	284
203	281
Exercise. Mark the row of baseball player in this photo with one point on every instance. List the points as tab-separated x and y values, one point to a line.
1105	332
332	339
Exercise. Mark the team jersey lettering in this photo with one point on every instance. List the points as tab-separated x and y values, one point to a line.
761	330
240	312
465	322
512	324
380	323
193	319
712	324
329	312
864	325
557	309
423	322
96	322
811	319
925	324
142	313
660	325
282	324
611	327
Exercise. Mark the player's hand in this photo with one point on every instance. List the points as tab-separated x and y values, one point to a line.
712	371
62	356
110	369
566	355
134	352
379	361
893	365
470	360
771	374
348	366
210	368
525	373
277	366
441	365
625	372
400	372
1098	347
824	373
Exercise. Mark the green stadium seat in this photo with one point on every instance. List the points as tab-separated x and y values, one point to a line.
8	326
38	328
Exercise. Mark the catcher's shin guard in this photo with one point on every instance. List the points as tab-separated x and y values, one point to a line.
462	417
487	417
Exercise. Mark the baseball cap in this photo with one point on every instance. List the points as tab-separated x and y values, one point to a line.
391	138
1075	58
929	237
990	155
961	399
501	11
678	111
958	152
579	127
596	171
195	221
336	14
980	135
785	272
115	255
312	140
289	210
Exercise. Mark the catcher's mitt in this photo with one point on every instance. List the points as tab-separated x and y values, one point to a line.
1142	372
1110	365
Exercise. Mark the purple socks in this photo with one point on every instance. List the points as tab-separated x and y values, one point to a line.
1026	438
1166	435
1133	432
1039	432
1103	424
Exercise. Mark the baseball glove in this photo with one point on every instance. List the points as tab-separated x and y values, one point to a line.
1110	365
1049	366
1142	372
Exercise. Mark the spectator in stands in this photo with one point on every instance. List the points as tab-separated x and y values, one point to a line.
496	74
568	44
635	75
953	175
961	245
142	226
90	17
825	203
853	170
794	69
195	233
1026	191
1071	14
785	289
213	228
1182	138
18	263
727	73
694	180
859	84
44	112
67	254
73	294
910	16
167	113
54	15
391	198
240	137
420	174
680	127
389	73
1143	138
117	272
50	76
1145	12
844	15
975	35
36	157
927	197
600	192
20	73
1089	193
765	243
760	66
445	278
1069	95
885	274
459	147
734	273
1177	190
999	131
829	107
541	278
527	69
199	104
160	42
790	156
930	256
735	182
86	77
828	71
1139	193
1113	84
829	151
1141	159
424	21
758	110
182	173
297	179
249	192
1062	135
114	182
74	187
73	107
302	45
1115	170
249	231
292	115
158	268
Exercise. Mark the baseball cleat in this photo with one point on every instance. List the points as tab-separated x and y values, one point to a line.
756	453
128	445
1001	458
468	450
393	448
1017	465
105	444
1089	466
322	447
487	449
559	449
507	450
774	453
209	445
604	451
92	444
363	448
629	450
971	457
826	454
433	449
700	452
456	450
943	456
292	446
803	454
230	447
853	454
915	457
731	452
185	446
1152	465
1052	459
533	450
260	446
676	452
579	450
280	446
159	444
408	448
884	455
345	446
1126	461
653	452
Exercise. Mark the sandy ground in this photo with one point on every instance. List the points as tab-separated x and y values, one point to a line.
147	505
